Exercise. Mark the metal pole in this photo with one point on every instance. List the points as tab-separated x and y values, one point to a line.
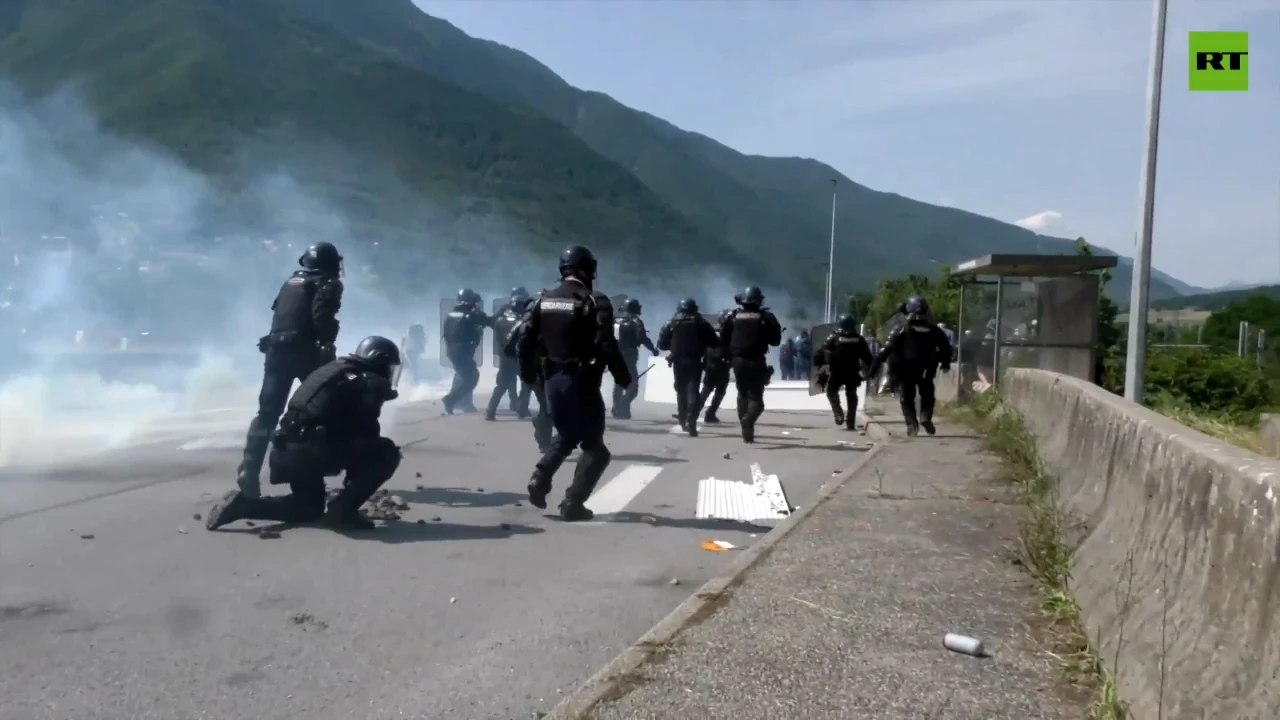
1262	345
831	255
995	360
1136	357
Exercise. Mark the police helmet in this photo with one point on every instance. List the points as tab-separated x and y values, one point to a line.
751	296
916	306
631	306
519	293
737	298
467	296
688	306
322	256
380	355
847	324
578	261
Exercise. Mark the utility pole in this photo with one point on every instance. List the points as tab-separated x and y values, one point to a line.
831	257
1136	356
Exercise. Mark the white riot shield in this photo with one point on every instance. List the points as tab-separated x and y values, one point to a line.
446	306
817	336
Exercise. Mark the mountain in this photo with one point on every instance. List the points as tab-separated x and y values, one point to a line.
757	202
1217	300
484	130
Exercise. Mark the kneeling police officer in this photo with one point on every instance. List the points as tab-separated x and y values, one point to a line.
331	425
570	333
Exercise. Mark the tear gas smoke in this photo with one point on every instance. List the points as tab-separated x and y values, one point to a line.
133	288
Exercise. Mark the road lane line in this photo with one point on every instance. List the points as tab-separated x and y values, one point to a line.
622	489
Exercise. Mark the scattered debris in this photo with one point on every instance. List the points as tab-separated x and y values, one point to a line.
306	619
385	507
717	546
435	518
418	474
453	600
268	535
182	530
250	523
86	536
505	526
764	498
421	488
420	521
479	489
519	504
964	644
726	456
674	581
197	517
786	432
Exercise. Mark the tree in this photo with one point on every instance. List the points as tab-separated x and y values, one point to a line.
859	304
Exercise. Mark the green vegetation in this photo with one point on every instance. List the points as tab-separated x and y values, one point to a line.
478	129
1215	301
1043	547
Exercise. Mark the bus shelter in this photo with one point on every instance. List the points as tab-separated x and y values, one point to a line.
1031	311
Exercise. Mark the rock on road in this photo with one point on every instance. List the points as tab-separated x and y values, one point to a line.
116	604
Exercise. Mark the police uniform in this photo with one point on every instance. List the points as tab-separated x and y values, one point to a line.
632	336
571	333
715	377
331	426
463	333
748	334
914	354
530	370
304	328
508	371
687	336
842	359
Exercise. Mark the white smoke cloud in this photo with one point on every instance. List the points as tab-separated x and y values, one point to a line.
1040	221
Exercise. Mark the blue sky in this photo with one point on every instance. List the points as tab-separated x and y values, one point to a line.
1026	110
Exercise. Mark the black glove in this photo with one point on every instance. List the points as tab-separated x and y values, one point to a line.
264	343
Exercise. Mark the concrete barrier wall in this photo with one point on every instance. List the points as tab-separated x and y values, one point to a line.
1177	568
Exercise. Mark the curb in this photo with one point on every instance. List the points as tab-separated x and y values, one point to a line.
598	688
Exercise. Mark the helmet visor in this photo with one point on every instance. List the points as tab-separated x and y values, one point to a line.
393	372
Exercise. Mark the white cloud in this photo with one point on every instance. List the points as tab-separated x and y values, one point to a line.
1039	221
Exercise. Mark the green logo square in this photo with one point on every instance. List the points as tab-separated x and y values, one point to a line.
1219	61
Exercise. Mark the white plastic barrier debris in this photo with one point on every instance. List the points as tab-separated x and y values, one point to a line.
763	499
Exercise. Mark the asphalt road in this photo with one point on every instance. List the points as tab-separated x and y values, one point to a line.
115	602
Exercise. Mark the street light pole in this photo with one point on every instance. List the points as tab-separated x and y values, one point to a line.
1136	357
831	257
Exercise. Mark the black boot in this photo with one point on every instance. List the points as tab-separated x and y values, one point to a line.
711	417
230	508
575	512
538	490
338	517
928	426
838	414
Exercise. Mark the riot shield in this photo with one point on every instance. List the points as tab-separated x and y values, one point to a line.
446	306
817	336
618	301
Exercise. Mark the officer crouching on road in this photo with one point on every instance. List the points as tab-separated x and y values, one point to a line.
715	378
914	352
331	425
304	328
508	371
841	360
542	428
571	332
748	334
463	332
631	337
687	336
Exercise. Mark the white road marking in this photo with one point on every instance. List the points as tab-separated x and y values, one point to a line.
622	489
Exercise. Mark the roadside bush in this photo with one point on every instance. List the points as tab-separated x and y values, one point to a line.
1211	382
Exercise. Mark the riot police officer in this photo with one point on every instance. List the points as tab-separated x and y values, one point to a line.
331	426
508	373
570	332
687	336
631	337
748	334
840	361
304	328
414	346
915	352
542	428
463	333
715	377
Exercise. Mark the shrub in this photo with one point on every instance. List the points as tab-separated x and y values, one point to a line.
1203	380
